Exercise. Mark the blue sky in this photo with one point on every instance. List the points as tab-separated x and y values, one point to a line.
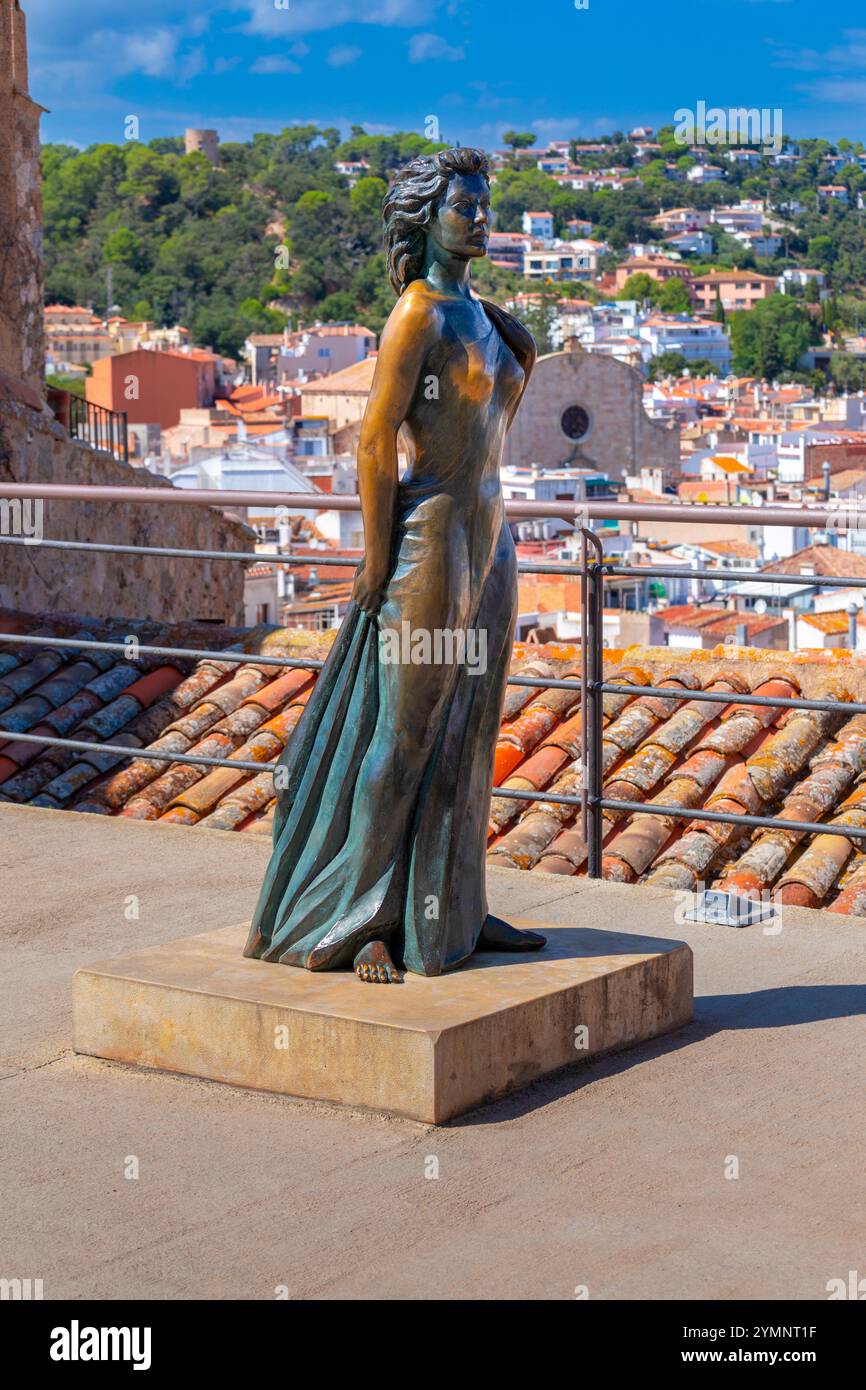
479	66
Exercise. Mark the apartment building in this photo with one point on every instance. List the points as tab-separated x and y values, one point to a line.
693	243
538	225
682	220
659	268
154	387
75	336
507	249
737	289
561	260
695	340
741	217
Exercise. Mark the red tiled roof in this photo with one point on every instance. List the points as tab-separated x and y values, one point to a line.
821	560
801	764
831	623
740	550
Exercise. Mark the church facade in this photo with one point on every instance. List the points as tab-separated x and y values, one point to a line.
585	410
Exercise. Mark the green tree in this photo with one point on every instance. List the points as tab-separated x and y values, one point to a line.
540	317
847	372
519	140
772	338
639	286
666	364
367	196
673	296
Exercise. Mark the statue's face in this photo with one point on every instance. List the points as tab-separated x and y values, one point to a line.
462	224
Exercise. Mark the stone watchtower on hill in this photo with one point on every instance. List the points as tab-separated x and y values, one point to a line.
22	347
204	142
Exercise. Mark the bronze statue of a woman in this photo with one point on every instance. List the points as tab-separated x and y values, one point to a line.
381	822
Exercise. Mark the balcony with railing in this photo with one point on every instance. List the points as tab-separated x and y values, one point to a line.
91	424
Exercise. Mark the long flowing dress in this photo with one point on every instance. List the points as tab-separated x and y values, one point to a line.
381	825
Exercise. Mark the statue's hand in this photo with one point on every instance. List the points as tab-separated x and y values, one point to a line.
369	588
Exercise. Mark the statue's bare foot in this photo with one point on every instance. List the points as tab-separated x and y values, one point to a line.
497	935
374	965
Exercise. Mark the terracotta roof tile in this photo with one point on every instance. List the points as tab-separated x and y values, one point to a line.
804	765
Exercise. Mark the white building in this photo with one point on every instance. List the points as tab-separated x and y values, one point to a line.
740	217
248	468
695	339
539	225
800	277
695	243
760	243
561	260
323	349
706	173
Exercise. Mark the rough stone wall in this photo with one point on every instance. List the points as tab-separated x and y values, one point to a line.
35	448
621	433
22	345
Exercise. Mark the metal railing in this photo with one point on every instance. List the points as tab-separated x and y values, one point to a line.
593	570
594	802
91	424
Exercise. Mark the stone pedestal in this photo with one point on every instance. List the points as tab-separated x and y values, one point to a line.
428	1049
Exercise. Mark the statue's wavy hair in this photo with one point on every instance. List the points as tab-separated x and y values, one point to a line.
412	202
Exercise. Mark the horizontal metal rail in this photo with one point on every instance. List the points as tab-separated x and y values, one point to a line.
249	557
717	697
645	808
173	552
694	513
234	658
199	759
124	751
726	576
557	798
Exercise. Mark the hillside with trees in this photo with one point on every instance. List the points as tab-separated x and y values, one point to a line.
275	235
272	234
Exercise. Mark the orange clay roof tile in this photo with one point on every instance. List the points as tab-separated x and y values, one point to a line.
674	751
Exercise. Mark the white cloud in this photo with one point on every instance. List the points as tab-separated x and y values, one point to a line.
308	16
839	58
151	53
343	55
430	48
275	62
193	64
840	89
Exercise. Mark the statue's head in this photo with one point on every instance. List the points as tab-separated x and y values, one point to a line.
444	196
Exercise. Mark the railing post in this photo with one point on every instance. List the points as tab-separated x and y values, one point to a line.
592	674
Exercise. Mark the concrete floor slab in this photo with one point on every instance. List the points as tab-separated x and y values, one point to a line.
724	1161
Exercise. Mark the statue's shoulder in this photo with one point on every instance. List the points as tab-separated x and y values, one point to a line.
518	338
416	315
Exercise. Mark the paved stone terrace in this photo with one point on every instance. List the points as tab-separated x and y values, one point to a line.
609	1176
